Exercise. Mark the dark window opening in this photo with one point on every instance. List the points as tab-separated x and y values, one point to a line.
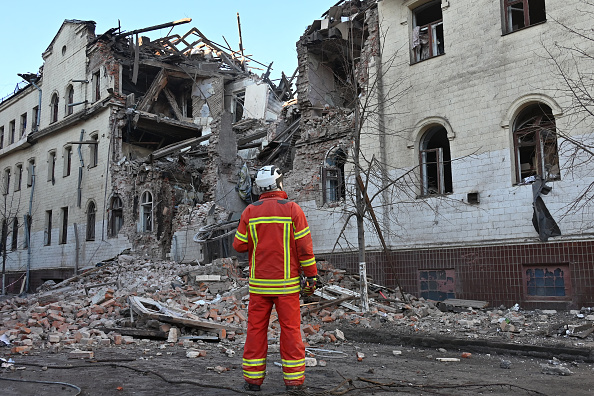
147	212
64	228
47	236
333	183
94	151
1	137
6	181
35	118
435	162
535	144
23	124
70	101
15	233
54	108
239	100
12	129
428	39
19	178
523	13
91	221
550	282
96	86
437	285
67	161
116	220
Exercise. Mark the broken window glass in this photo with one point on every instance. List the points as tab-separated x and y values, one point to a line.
546	282
523	13
535	143
147	212
427	35
435	162
117	217
333	176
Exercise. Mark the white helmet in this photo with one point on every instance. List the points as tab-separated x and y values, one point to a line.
269	178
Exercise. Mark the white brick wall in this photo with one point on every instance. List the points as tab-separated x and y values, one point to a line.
474	86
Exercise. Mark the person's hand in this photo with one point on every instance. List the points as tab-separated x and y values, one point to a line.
309	286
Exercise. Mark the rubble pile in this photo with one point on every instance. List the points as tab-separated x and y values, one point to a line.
128	299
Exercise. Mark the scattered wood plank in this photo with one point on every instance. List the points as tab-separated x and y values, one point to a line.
466	303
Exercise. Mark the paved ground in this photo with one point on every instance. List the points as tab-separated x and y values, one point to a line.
158	368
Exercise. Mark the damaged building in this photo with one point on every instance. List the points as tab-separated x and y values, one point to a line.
469	150
118	141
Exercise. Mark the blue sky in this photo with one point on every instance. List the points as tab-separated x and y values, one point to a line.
269	28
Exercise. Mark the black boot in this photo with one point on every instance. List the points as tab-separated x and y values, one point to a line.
291	388
251	387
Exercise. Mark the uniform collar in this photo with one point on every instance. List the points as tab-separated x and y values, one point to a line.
274	194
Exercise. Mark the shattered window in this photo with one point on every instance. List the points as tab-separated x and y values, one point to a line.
523	13
15	233
116	219
54	108
147	212
64	226
435	162
91	221
6	181
47	235
427	34
535	144
437	285
70	96
238	102
333	184
548	282
51	167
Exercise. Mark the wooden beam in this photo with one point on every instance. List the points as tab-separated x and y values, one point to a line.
173	103
153	92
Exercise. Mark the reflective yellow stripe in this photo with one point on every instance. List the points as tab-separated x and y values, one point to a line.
293	363
307	263
275	290
297	375
302	233
274	282
241	237
287	248
254	362
254	374
254	235
271	219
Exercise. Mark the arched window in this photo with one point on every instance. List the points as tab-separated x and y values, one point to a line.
91	212
146	207
535	144
333	184
116	219
54	108
435	162
70	100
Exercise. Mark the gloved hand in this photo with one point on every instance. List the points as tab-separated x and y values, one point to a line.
309	286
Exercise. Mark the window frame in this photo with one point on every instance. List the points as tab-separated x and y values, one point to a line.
432	33
91	217
23	124
69	100
67	161
567	284
116	216
30	172
47	235
2	137
507	16
441	170
54	107
15	234
51	166
6	181
12	131
63	237
94	151
146	215
18	177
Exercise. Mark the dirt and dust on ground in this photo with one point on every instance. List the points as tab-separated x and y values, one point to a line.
132	326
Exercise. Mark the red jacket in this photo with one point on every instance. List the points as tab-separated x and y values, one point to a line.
274	231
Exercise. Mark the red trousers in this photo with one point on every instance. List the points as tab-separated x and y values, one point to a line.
292	349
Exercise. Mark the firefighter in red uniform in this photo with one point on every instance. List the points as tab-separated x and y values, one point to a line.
275	233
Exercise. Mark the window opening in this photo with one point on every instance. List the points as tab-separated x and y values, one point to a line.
435	162
70	95
147	211
51	170
6	181
91	210
30	172
64	228
27	231
67	160
437	285
12	128
47	235
1	137
535	144
239	100
23	124
19	178
15	234
549	282
55	107
94	151
97	86
117	216
35	118
333	183
523	13
428	40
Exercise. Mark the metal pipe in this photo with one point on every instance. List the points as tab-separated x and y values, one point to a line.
28	226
